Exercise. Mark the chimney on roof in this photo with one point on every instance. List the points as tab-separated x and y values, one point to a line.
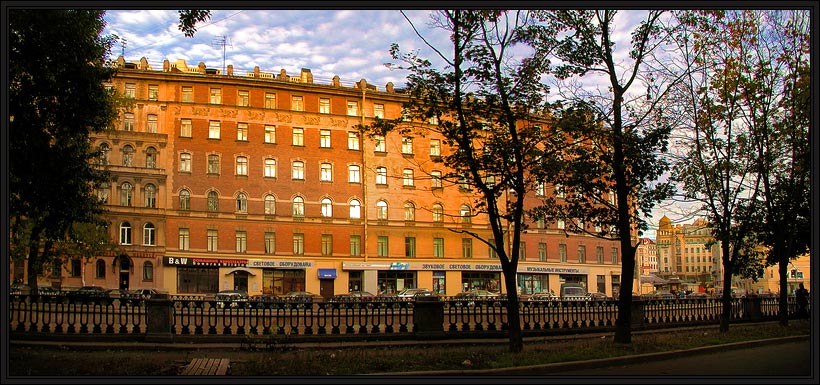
230	69
144	63
389	87
306	76
336	82
201	67
256	72
283	75
166	66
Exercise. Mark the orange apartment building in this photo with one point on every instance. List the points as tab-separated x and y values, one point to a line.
261	182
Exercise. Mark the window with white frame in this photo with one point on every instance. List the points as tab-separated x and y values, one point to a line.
213	240
324	138
298	136
128	155
435	179
187	94
128	122
353	174
407	177
409	211
184	199
150	157
153	92
561	224
352	140
381	175
298	170
270	134
324	105
270	242
186	128
213	164
466	214
378	111
327	244
379	143
270	100
242	132
243	99
241	242
241	203
327	208
150	196
298	244
125	233
216	96
298	207
130	90
438	212
185	162
241	165
151	124
214	126
296	103
352	108
126	194
149	234
539	188
213	201
326	172
184	239
435	147
407	145
270	168
355	209
270	205
381	210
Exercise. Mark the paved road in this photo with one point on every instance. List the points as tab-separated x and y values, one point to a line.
780	360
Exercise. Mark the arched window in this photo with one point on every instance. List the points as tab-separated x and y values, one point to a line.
126	194
381	210
241	203
184	200
149	234
150	196
151	157
438	213
100	269
128	156
213	201
103	191
125	233
466	214
147	271
298	207
327	208
409	211
270	205
104	152
355	209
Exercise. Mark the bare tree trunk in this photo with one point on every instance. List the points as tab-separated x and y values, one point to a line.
513	316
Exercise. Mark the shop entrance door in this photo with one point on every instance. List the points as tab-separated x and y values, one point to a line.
326	288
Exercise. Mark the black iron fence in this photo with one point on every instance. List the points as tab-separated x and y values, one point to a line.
197	319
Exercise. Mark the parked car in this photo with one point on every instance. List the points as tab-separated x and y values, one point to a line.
408	294
88	292
142	293
598	296
117	293
542	296
231	298
260	300
353	296
698	295
480	294
574	292
301	296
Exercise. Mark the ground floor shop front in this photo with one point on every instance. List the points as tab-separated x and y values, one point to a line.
204	276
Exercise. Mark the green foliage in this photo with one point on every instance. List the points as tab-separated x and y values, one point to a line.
188	19
56	100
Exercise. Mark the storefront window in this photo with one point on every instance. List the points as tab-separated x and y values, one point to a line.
282	281
197	280
354	281
481	281
439	282
391	282
533	283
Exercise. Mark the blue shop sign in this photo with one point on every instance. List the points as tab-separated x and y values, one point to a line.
327	273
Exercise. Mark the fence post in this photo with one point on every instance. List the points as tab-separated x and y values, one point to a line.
753	308
428	317
158	313
637	314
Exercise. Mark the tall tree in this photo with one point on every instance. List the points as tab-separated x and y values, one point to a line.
618	134
484	103
57	98
718	168
188	18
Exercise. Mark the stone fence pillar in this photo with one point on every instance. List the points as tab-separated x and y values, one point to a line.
428	317
158	313
637	314
753	308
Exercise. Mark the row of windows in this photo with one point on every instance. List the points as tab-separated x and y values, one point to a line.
128	155
149	234
269	168
151	123
100	269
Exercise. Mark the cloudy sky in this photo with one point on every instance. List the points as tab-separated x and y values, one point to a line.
353	44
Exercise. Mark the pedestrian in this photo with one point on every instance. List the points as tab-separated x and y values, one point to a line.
802	296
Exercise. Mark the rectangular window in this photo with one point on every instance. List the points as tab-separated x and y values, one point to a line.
153	92
353	140
410	247
270	243
435	147
130	90
214	126
241	165
561	224
381	175
542	252
435	179
381	246
270	100
355	245
75	268
599	251
522	251
324	138
438	247
298	244
407	177
614	255
378	111
539	188
185	162
298	136
186	128
216	96
562	252
297	104
353	174
327	244
298	170
270	134
270	168
212	240
582	254
324	105
380	145
466	248
187	95
128	122
326	172
241	242
213	164
492	253
184	239
353	108
243	99
242	132
407	145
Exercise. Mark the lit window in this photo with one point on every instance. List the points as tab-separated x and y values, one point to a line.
297	104
213	129
185	162
298	136
353	174
352	140
326	174
381	210
270	134
381	175
270	168
327	208
243	99
216	96
241	165
242	132
324	138
186	128
298	170
298	207
355	209
324	106
151	124
148	234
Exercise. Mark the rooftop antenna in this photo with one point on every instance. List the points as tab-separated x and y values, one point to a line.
222	41
123	43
